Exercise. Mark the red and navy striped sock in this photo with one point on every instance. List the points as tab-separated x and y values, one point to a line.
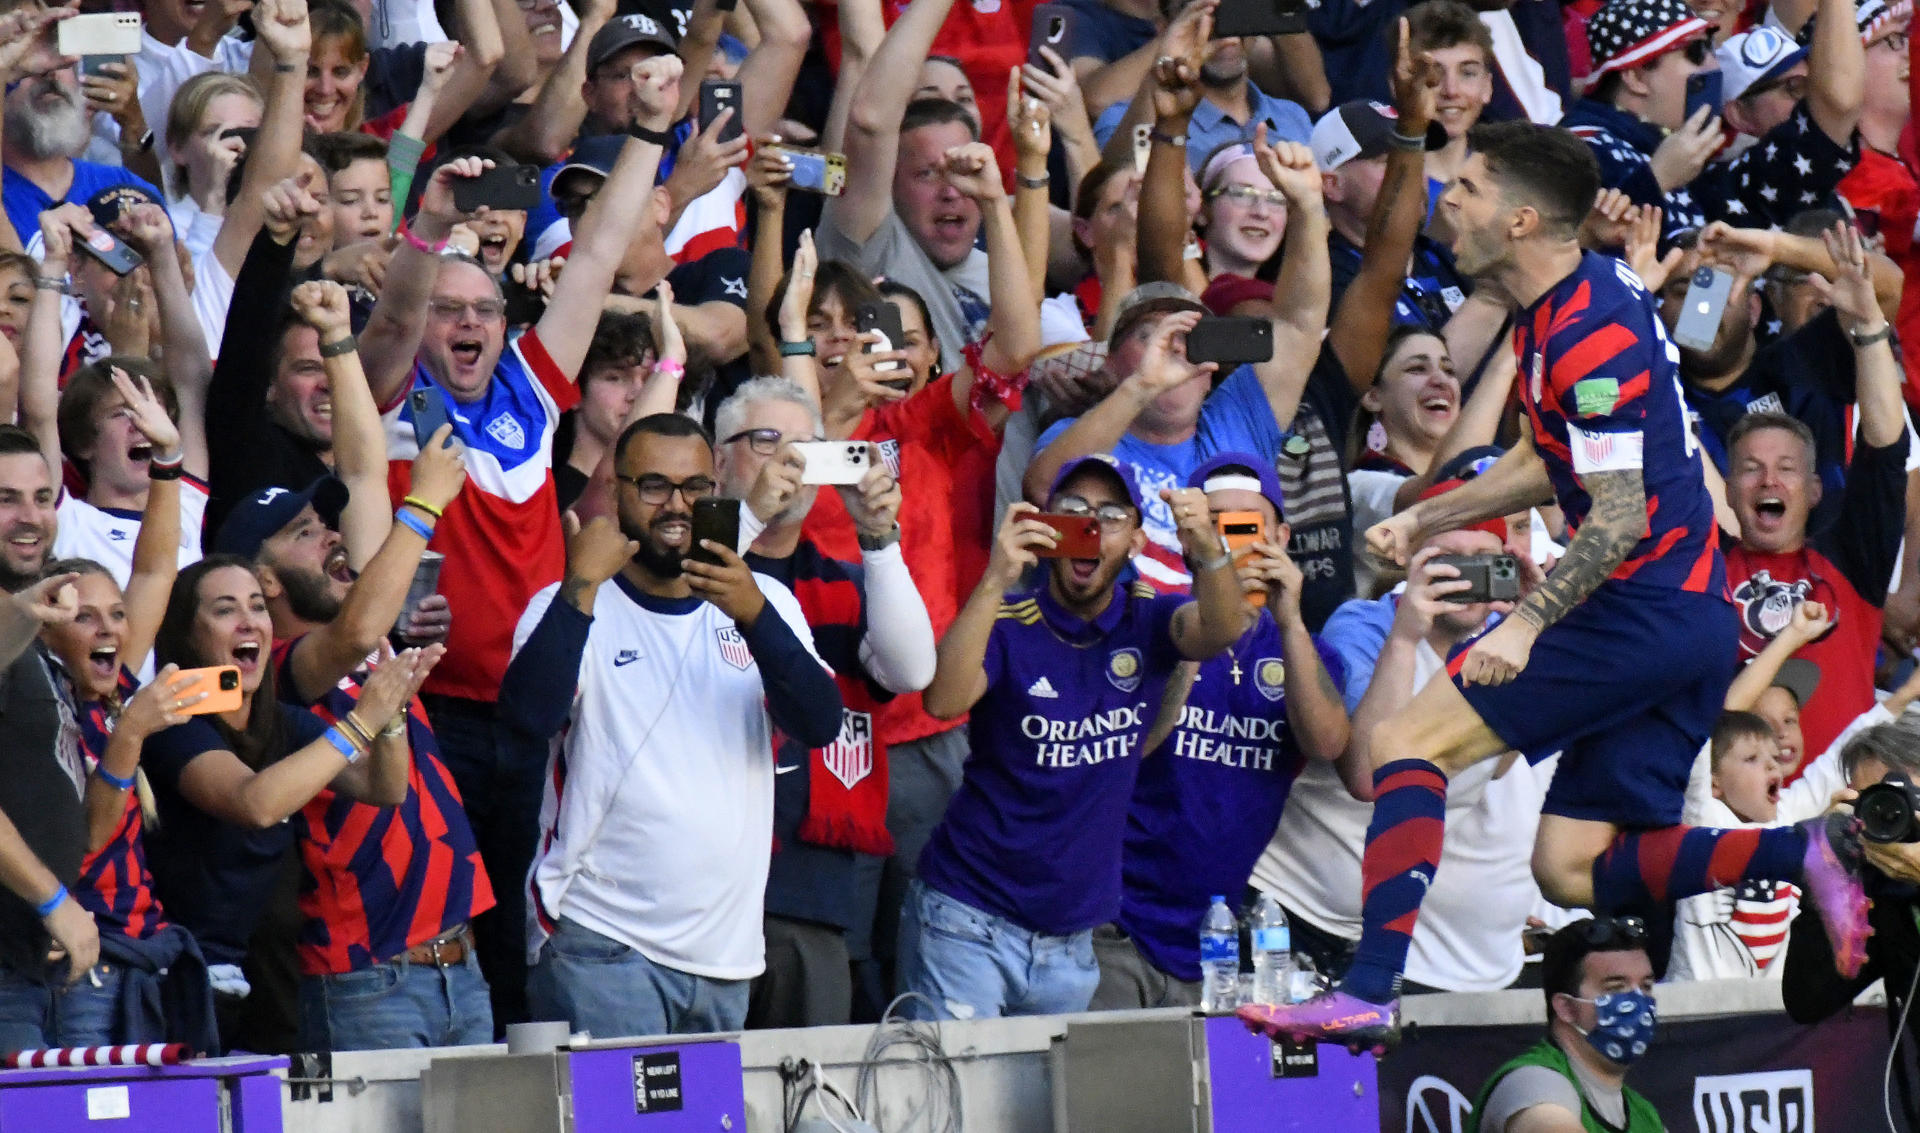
1662	866
1403	853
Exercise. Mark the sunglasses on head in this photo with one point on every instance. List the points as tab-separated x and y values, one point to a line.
1606	932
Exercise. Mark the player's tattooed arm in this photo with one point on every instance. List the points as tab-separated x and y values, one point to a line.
1617	521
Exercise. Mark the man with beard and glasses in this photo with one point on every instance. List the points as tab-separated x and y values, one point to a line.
664	677
43	781
872	629
46	123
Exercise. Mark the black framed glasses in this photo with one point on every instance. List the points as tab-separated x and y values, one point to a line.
1113	518
1698	49
658	489
1608	932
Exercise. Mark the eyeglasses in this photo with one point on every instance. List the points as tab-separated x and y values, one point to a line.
762	441
1248	194
1697	50
1113	518
1604	932
658	489
484	310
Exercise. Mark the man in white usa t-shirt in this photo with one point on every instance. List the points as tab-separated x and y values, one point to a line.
662	679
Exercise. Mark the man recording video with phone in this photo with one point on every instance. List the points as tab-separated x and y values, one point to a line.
669	673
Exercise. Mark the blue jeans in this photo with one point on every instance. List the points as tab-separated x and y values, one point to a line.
610	990
498	772
974	965
34	1015
396	1004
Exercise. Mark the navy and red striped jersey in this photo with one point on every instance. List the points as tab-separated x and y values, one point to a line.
1601	387
115	885
380	880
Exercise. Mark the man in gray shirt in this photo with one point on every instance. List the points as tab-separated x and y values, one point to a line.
1600	1018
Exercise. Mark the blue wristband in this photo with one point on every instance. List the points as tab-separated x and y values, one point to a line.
413	523
343	745
46	908
112	780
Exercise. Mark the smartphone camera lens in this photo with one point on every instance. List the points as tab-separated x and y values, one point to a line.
1703	277
229	681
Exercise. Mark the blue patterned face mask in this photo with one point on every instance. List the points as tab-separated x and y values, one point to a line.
1624	1024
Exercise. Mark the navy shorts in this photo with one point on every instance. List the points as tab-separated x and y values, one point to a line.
1627	688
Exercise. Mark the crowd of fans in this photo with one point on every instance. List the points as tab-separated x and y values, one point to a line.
603	766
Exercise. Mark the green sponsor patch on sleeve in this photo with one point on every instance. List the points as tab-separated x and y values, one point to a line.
1595	397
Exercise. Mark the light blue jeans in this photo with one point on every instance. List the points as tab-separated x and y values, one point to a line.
395	1005
35	1015
602	986
974	965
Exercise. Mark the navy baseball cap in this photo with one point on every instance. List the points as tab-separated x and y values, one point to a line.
596	155
107	204
1119	470
1241	470
251	523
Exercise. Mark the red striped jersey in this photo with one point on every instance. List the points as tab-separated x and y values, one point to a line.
380	880
1600	383
115	885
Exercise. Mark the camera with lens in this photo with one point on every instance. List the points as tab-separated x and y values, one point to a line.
1889	811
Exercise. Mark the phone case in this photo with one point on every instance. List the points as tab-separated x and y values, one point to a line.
504	187
1239	531
1699	321
111	251
1259	17
823	173
1495	578
717	95
220	682
1079	537
833	462
717	519
1230	341
100	33
884	318
1052	27
429	407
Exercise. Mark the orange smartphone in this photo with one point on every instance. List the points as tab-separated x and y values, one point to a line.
1239	531
221	683
1079	536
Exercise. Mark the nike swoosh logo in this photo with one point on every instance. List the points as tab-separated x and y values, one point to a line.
625	659
787	768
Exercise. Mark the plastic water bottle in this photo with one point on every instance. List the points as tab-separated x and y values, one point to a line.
1219	959
1272	953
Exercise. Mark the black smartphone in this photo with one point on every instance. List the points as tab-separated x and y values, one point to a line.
244	133
1052	27
717	95
111	251
715	518
883	318
525	304
1230	341
429	407
1494	578
504	187
1259	17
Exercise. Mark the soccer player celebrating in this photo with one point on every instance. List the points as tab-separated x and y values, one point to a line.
1619	660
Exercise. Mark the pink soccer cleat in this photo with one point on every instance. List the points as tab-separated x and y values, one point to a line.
1331	1016
1834	887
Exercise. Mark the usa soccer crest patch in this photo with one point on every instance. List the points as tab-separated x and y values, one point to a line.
733	648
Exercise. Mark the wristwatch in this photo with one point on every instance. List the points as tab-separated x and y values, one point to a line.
1860	340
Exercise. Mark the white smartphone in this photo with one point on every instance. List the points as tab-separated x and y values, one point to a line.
1699	322
1142	146
101	33
834	462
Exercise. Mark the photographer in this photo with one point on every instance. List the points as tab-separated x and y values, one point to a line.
1811	988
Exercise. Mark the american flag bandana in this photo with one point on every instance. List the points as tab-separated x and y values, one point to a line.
1628	33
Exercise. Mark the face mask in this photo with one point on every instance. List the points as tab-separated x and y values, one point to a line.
1624	1024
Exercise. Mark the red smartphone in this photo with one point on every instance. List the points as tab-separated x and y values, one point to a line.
1079	536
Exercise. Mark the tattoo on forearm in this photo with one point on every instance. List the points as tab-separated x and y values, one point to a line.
1616	522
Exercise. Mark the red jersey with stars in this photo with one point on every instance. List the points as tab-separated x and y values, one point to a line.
383	879
114	883
1600	384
